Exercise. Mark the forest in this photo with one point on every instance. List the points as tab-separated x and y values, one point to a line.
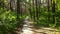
43	13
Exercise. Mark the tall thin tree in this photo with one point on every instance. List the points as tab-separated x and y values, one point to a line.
37	10
48	11
18	13
53	11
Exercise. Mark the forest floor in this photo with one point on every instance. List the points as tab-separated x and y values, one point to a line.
41	30
32	29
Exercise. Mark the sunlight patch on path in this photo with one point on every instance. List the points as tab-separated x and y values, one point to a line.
27	31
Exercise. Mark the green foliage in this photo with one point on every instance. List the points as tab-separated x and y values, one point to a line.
7	20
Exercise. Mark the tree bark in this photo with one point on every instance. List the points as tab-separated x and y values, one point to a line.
53	11
48	11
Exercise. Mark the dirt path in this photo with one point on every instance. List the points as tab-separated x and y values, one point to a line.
43	30
31	29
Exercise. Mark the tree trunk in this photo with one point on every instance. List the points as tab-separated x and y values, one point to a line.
53	11
48	11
